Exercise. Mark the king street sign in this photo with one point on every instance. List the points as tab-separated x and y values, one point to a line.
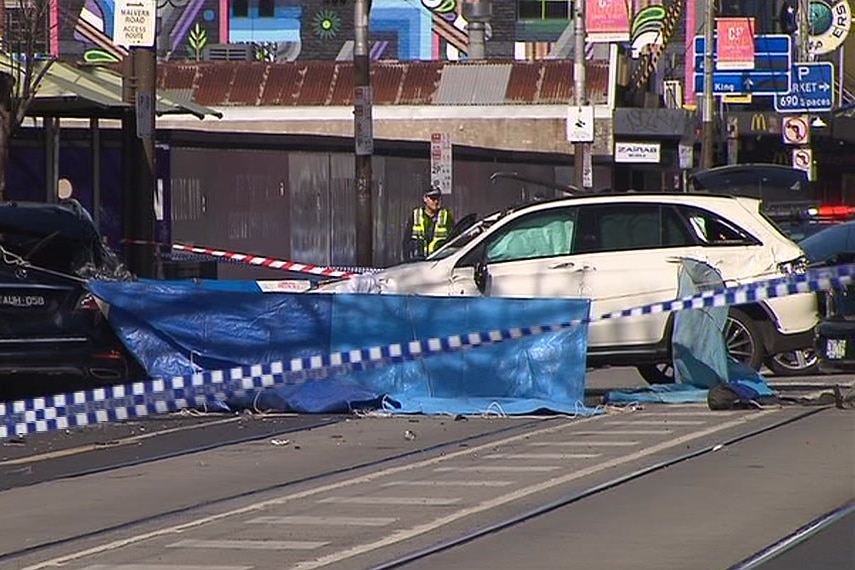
811	91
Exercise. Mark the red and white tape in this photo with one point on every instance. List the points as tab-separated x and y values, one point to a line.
249	259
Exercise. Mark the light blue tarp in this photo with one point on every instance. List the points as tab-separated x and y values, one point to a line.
698	348
180	327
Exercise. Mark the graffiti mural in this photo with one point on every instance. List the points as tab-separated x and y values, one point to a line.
284	30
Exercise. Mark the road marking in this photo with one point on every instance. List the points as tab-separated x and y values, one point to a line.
544	456
325	521
373	476
703	413
249	544
409	533
162	567
502	468
656	423
408	501
117	443
429	483
583	443
625	432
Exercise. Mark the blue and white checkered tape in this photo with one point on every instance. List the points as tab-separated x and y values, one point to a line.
159	396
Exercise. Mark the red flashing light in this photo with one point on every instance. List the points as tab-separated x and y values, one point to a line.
836	211
87	303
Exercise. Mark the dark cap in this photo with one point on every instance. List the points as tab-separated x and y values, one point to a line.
433	193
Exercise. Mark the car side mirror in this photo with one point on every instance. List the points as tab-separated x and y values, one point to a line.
482	276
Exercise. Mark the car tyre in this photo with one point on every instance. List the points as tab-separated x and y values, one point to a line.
742	337
794	363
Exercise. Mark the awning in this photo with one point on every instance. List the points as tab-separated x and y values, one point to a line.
94	92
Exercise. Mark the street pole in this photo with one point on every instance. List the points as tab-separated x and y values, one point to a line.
803	23
363	134
477	14
579	149
145	69
708	100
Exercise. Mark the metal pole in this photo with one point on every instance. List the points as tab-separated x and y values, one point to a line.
95	145
477	14
363	134
129	147
803	22
579	88
708	101
145	69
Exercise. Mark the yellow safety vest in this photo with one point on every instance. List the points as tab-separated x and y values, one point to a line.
431	235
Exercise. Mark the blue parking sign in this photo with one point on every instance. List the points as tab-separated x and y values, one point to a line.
811	90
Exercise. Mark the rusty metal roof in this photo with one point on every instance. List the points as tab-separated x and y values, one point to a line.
473	84
394	83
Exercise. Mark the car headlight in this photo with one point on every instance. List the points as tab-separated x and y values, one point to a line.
797	266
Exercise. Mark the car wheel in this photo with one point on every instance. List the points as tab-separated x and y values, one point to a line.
743	339
794	363
743	342
662	373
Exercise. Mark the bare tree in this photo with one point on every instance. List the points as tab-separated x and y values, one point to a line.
24	61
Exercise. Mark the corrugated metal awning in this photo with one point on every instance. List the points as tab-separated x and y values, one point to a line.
70	91
473	84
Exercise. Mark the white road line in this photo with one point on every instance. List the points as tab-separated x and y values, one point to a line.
583	443
517	494
380	473
324	521
162	567
625	432
408	501
501	468
542	456
249	544
656	422
430	483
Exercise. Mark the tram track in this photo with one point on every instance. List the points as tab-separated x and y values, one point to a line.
115	465
423	541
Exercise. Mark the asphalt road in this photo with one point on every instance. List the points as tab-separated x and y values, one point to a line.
833	548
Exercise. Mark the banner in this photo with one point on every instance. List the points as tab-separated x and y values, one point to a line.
607	20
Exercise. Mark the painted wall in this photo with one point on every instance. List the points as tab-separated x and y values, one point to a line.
291	29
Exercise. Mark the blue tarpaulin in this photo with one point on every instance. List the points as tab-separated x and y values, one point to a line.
181	327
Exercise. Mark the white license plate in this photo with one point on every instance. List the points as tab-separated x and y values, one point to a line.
22	301
835	348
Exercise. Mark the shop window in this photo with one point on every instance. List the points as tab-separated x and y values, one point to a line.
266	8
543	9
240	8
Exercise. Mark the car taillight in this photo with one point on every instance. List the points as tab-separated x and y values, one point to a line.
109	355
797	266
833	212
87	303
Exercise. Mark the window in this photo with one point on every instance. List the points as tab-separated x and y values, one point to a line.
619	227
543	10
712	230
541	234
266	8
240	8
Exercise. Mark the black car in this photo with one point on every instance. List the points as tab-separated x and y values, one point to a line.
835	338
50	326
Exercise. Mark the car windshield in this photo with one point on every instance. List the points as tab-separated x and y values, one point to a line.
459	242
833	241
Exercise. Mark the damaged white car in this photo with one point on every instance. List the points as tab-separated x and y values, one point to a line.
622	251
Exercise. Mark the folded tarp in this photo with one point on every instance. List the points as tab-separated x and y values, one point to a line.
181	327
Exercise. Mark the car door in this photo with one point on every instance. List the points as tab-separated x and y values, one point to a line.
529	256
630	256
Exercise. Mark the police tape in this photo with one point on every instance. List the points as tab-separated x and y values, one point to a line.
158	396
255	260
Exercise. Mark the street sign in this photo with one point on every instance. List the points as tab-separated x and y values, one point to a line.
145	114
812	89
771	75
803	160
363	123
795	129
580	124
441	166
134	23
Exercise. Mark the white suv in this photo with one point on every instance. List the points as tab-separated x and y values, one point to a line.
622	251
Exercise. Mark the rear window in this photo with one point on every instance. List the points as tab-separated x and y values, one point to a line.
50	252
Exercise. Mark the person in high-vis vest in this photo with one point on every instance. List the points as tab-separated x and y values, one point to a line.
429	227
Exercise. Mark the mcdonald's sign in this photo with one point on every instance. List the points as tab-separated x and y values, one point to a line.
758	122
782	157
